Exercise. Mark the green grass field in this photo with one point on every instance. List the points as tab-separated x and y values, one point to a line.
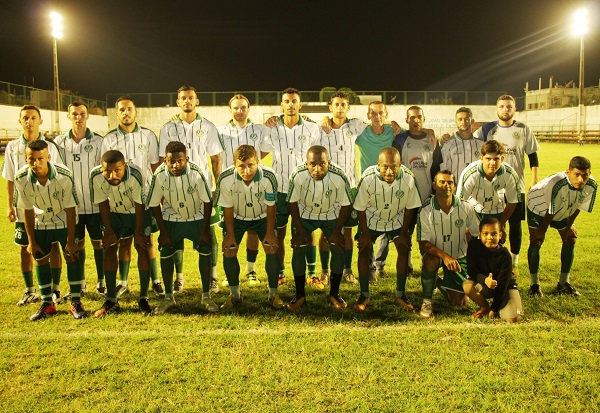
315	360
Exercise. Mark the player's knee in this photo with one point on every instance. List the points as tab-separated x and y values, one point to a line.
430	262
468	287
569	242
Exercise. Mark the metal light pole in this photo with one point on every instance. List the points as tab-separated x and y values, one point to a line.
579	29
56	34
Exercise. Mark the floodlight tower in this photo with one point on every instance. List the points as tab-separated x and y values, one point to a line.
57	33
580	28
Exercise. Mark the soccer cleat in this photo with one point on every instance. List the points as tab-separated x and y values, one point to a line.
145	306
315	283
209	305
214	286
325	277
230	303
158	289
122	289
535	291
349	277
166	304
361	303
107	308
426	310
77	310
178	285
338	302
45	309
404	303
567	289
101	289
296	303
253	281
28	298
281	280
276	302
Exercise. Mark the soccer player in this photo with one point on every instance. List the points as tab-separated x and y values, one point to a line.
30	119
117	187
443	239
81	150
461	149
202	140
139	145
490	185
247	192
489	266
240	130
289	141
555	202
46	194
518	140
186	210
386	199
339	140
319	197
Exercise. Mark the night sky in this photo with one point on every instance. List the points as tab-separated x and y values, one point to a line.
133	46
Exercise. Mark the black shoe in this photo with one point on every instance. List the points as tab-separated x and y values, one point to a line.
122	289
107	308
145	306
101	289
567	289
44	310
535	291
338	302
158	289
77	310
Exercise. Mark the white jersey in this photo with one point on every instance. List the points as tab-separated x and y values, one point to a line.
123	197
81	158
384	203
556	196
249	202
340	145
518	141
49	201
457	153
319	200
289	147
447	231
488	197
14	160
417	155
201	139
139	147
233	136
184	195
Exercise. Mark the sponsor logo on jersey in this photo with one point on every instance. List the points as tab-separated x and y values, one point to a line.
399	193
417	163
88	148
459	223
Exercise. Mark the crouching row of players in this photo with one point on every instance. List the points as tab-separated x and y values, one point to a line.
319	197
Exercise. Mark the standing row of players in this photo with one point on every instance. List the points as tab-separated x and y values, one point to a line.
288	140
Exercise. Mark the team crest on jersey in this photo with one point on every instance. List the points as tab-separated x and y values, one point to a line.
399	193
354	214
126	191
302	138
348	133
200	133
259	194
477	153
427	148
56	194
253	136
496	187
148	231
516	135
459	223
142	148
88	148
581	197
328	193
191	189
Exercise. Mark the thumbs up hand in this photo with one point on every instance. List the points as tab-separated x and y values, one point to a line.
490	282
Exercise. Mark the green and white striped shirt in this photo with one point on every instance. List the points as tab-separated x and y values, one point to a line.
457	153
184	195
249	202
234	136
123	197
340	145
48	201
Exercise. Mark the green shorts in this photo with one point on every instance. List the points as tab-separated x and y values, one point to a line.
454	280
94	225
390	235
535	221
283	213
178	232
124	224
46	237
240	227
310	225
21	237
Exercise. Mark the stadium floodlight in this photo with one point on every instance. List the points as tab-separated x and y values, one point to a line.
580	28
57	33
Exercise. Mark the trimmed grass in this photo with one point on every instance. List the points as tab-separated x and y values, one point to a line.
318	359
